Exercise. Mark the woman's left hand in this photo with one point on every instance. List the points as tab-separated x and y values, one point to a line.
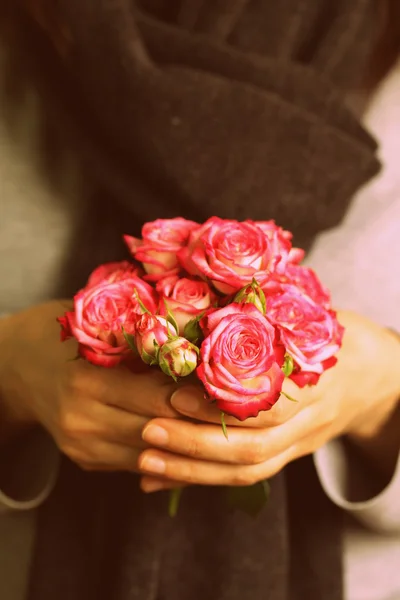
356	397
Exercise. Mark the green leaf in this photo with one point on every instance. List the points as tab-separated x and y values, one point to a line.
148	358
77	357
188	369
263	301
250	499
258	290
288	365
224	427
195	348
142	306
165	369
192	331
252	294
174	500
289	397
130	339
170	319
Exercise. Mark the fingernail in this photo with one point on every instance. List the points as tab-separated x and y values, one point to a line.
153	434
153	464
153	486
185	401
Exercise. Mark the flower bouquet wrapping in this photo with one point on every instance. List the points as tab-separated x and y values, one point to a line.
227	302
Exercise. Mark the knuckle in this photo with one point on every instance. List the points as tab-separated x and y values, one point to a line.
77	379
276	416
74	425
328	414
69	423
85	466
254	453
161	404
278	464
183	472
244	477
85	380
277	419
73	453
193	447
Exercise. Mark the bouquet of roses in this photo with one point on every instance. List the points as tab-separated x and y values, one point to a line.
227	301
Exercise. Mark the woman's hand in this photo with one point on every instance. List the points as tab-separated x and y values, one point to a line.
95	415
357	397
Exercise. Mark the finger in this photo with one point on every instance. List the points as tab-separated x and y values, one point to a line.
181	469
85	421
105	456
154	484
189	401
245	446
168	470
118	426
147	394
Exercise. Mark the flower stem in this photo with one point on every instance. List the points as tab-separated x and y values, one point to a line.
174	499
224	428
289	397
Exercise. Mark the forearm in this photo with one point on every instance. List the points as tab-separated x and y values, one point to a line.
17	332
12	421
377	437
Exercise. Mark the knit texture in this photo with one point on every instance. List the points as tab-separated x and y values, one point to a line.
194	108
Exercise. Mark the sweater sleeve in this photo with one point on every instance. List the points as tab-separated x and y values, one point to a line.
28	471
346	479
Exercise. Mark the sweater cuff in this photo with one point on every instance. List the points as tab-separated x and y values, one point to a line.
349	482
28	471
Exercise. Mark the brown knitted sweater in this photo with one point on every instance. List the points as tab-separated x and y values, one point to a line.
194	108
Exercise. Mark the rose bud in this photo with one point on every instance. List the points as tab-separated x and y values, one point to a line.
178	357
252	294
151	332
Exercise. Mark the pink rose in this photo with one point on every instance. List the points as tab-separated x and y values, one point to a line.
101	312
230	254
305	279
241	361
281	241
178	357
311	334
111	272
185	298
161	241
151	332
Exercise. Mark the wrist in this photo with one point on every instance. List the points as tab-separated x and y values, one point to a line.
14	418
21	339
376	433
13	421
379	443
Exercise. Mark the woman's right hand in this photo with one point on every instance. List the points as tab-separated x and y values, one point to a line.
95	415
